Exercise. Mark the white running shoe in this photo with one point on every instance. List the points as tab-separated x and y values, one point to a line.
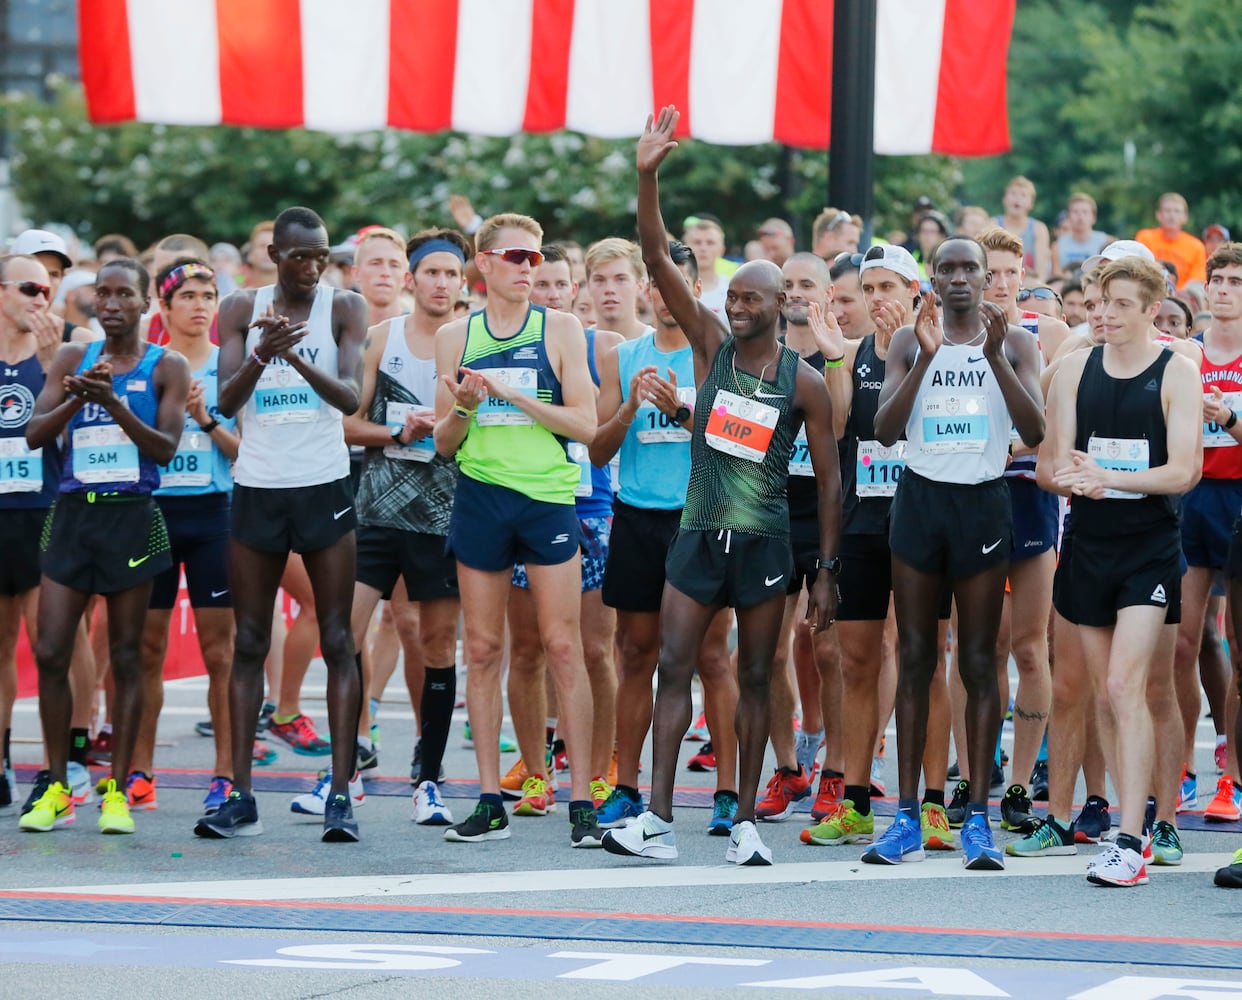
429	808
746	847
80	785
1118	866
644	836
313	802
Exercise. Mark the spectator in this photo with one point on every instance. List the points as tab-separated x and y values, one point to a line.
1018	201
1169	241
835	231
1082	240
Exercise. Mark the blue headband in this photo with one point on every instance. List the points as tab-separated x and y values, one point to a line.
434	246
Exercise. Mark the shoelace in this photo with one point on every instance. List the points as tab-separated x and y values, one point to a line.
976	834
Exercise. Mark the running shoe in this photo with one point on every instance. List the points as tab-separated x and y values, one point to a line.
698	733
1016	814
261	754
339	825
206	728
956	809
467	741
217	794
724	811
979	851
8	789
1226	807
1221	756
487	822
513	780
299	733
806	749
537	799
878	788
1093	822
902	841
1166	845
264	722
114	814
997	785
42	782
934	824
1048	839
416	765
746	847
429	808
100	751
831	791
844	825
314	802
585	831
619	808
560	760
1039	781
704	760
54	808
140	791
368	757
784	789
79	779
373	707
954	773
1118	866
238	817
645	836
1188	792
600	790
1230	877
1149	816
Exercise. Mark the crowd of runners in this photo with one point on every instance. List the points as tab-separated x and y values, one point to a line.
834	483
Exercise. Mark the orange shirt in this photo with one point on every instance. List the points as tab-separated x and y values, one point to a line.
1185	252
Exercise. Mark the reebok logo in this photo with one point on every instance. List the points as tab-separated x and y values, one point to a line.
341	513
1151	385
772	581
138	562
989	548
1158	595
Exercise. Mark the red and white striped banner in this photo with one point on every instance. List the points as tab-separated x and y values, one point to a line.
741	71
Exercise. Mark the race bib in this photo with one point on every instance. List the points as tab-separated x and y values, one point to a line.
283	396
104	455
422	450
21	470
495	412
1121	454
741	426
579	455
800	455
955	424
1214	435
655	427
191	466
878	468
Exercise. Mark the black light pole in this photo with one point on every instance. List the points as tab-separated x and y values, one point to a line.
851	172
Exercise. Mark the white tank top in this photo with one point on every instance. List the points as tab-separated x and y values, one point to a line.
958	431
290	436
416	374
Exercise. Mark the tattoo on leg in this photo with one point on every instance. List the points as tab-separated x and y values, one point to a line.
1026	716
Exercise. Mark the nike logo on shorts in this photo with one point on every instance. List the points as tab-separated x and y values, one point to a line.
341	513
138	562
773	581
989	548
219	593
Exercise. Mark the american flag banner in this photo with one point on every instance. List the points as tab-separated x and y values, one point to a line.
741	71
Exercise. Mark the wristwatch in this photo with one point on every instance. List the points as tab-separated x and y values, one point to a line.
832	565
396	434
683	414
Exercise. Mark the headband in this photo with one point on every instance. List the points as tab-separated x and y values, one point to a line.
434	246
180	274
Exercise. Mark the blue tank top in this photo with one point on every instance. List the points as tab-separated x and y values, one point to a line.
200	467
655	452
28	479
101	458
598	502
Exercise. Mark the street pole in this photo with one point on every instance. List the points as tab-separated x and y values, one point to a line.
851	167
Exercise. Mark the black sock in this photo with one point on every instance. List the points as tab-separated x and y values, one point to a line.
1191	775
576	804
933	796
830	773
631	792
79	743
436	708
7	758
549	737
492	800
860	795
362	697
1130	842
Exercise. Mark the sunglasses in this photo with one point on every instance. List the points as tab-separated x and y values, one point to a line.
854	259
31	289
517	255
1044	294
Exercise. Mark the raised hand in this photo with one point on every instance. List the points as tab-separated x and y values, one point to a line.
196	403
927	326
657	139
996	326
827	332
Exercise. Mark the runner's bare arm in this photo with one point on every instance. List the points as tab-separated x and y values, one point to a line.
55	406
811	397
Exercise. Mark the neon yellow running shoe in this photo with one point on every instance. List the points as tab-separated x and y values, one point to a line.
844	825
114	814
600	790
53	808
937	836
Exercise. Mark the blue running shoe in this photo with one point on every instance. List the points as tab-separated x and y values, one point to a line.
1188	792
980	852
618	809
724	809
1093	822
217	794
902	841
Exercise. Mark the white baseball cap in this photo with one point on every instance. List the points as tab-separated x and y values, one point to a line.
895	258
34	241
1115	251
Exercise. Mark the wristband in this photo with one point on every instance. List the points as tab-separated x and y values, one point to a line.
462	412
1233	419
834	362
208	428
255	355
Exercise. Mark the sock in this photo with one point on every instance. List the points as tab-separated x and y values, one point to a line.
549	734
934	796
79	743
977	808
997	758
282	719
436	708
1042	756
632	793
9	732
364	743
106	728
491	800
1221	740
1130	842
1191	775
1062	828
830	773
576	804
860	795
909	808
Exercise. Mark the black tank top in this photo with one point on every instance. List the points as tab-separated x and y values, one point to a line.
1126	420
862	515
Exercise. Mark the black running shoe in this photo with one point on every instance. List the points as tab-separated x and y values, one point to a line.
955	772
997	784
1149	816
416	766
207	728
487	822
1039	781
339	825
956	810
368	758
586	831
238	817
1016	812
42	782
